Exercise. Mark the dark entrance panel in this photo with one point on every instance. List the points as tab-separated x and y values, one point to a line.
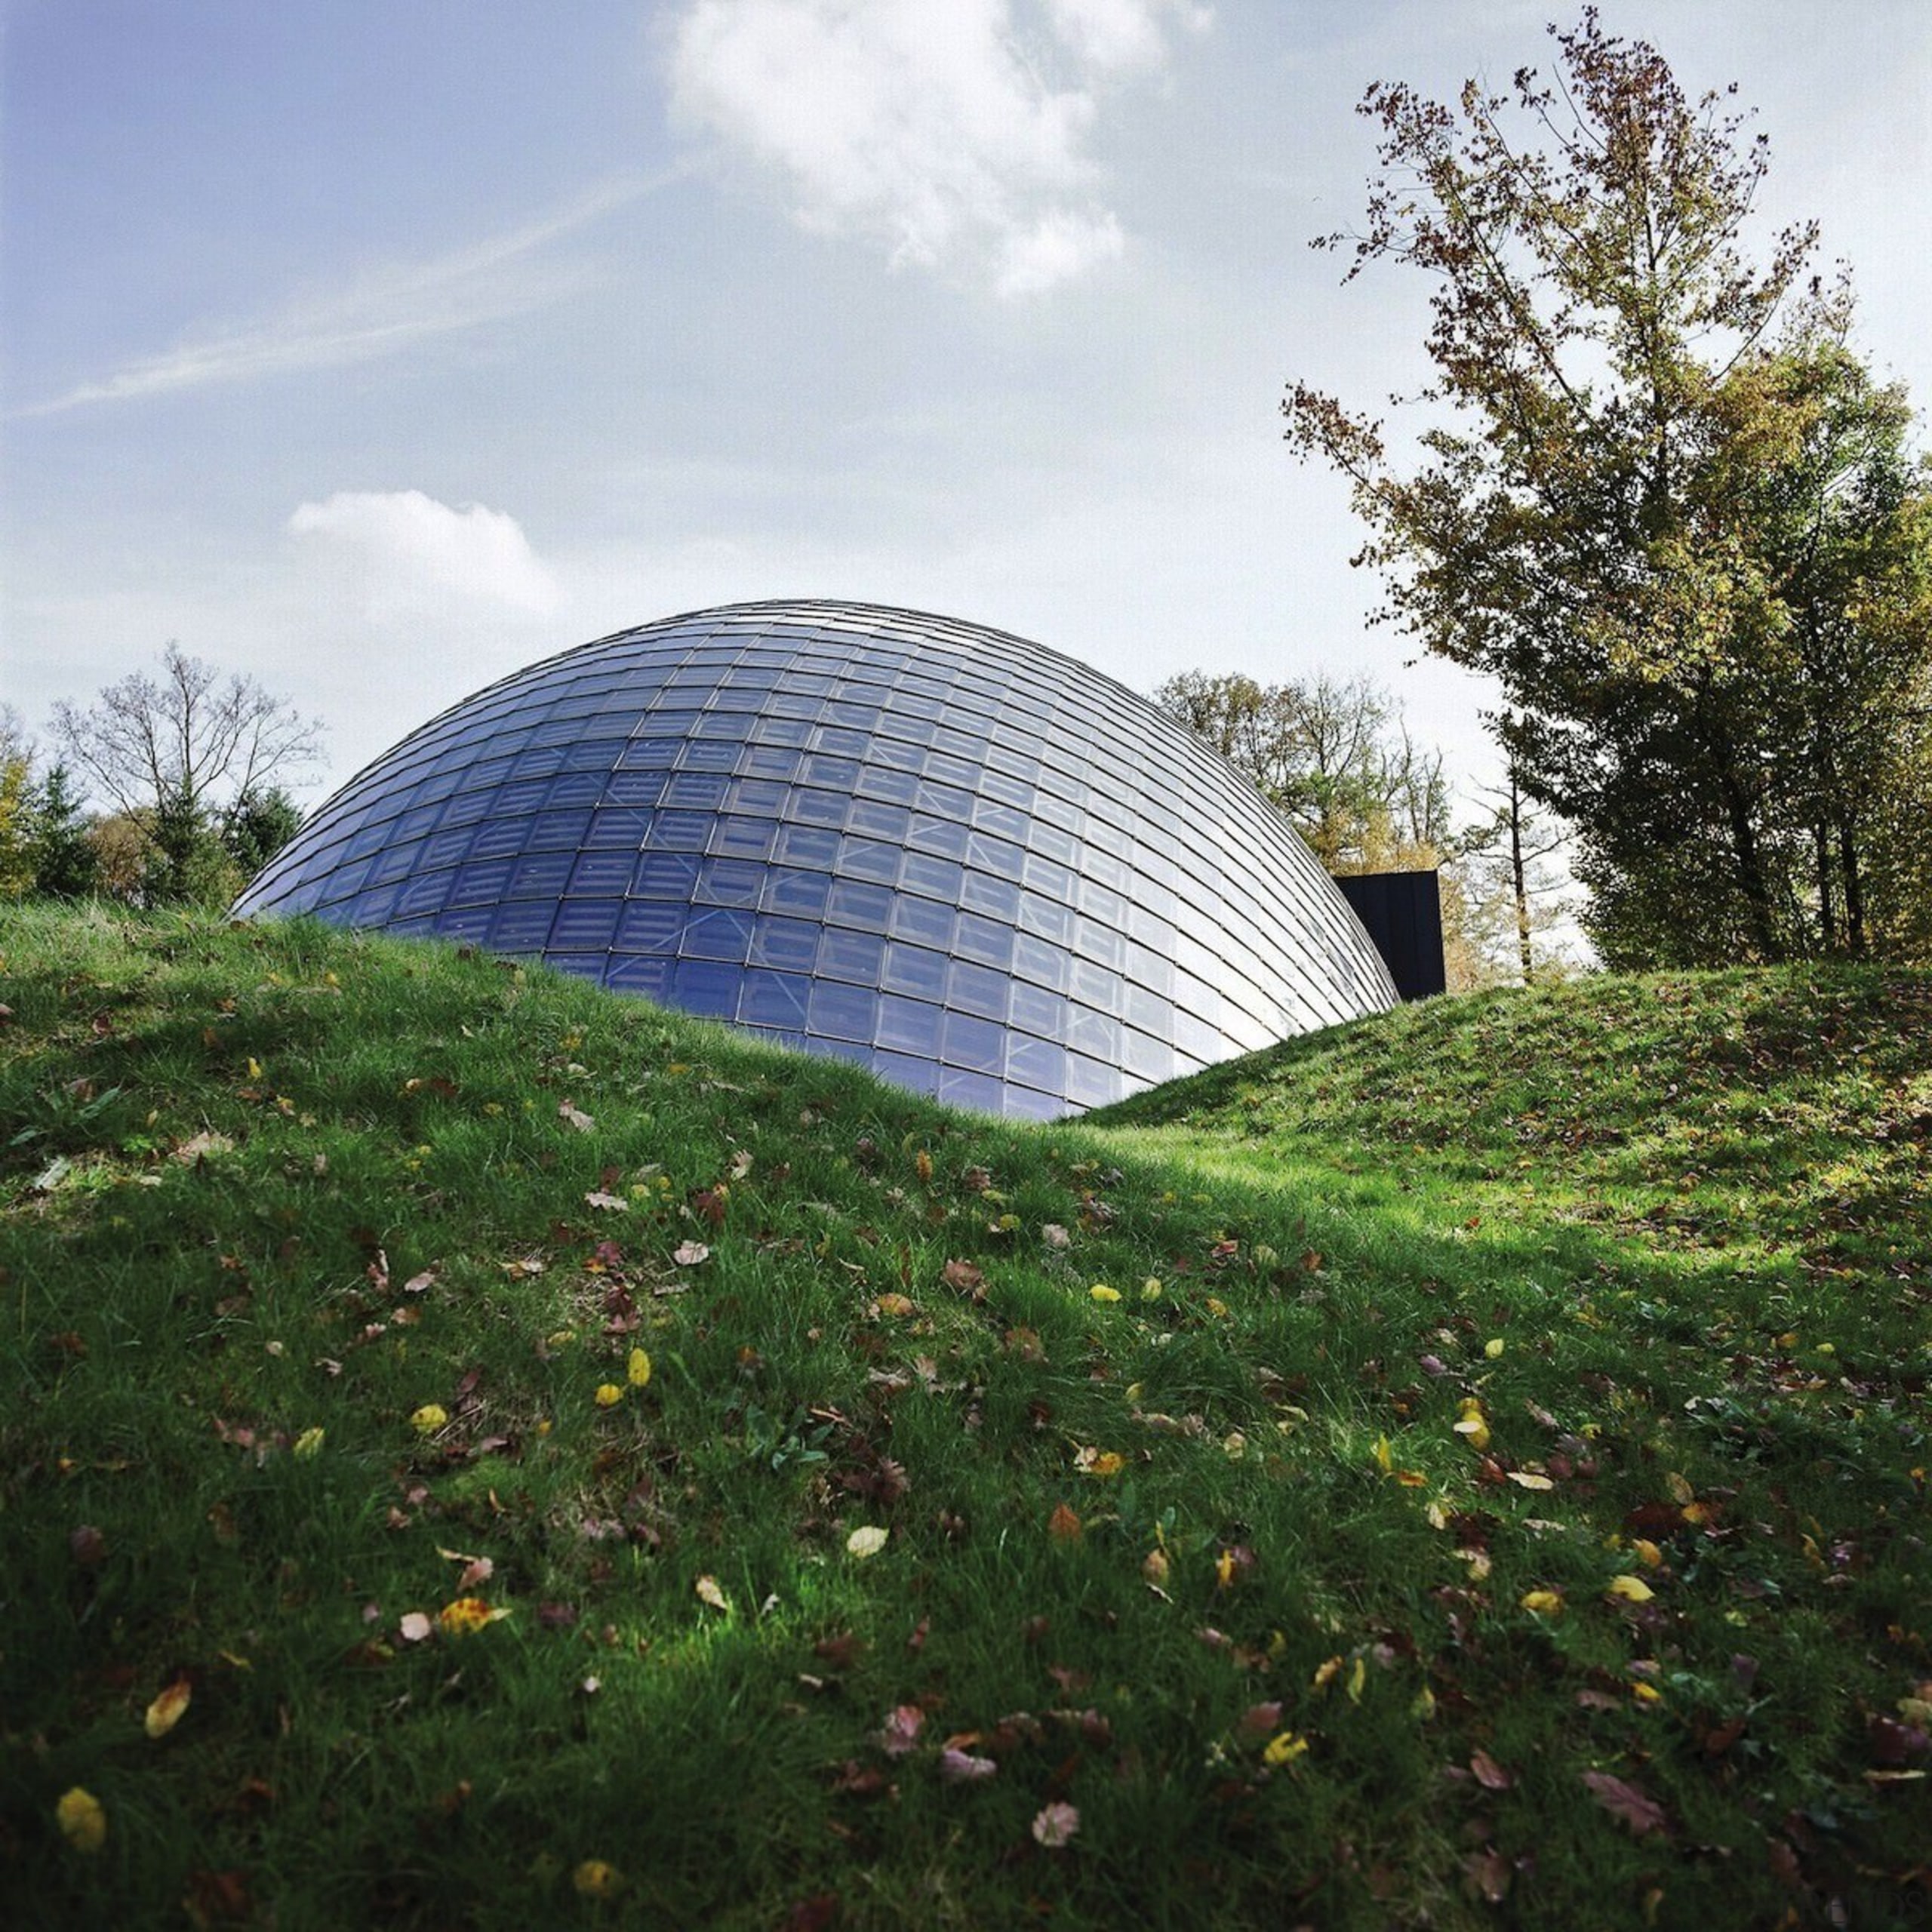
1402	913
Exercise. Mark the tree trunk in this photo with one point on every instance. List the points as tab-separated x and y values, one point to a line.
1518	879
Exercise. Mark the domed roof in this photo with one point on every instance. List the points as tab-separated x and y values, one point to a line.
979	867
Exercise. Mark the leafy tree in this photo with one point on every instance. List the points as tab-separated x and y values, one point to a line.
1334	754
64	862
1512	888
1657	499
15	807
188	762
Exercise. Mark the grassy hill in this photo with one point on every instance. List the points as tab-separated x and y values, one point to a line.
480	1452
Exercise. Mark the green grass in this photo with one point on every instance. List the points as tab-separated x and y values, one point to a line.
1662	1246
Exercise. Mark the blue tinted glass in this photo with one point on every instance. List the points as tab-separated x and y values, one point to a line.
521	928
977	990
699	986
774	999
801	894
481	885
851	956
909	1026
912	969
649	925
584	923
833	767
720	933
958	1088
790	943
977	1043
666	876
842	1012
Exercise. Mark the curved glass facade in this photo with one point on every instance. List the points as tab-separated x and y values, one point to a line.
979	868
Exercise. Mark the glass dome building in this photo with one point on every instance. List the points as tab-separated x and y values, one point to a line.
978	867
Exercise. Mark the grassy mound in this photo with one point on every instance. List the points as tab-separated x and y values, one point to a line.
480	1451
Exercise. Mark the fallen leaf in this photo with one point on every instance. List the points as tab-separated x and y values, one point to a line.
83	1823
1257	1722
414	1627
1055	1825
867	1541
1627	1803
1545	1603
308	1444
608	1395
575	1116
1529	1479
1285	1749
1488	1772
1054	1235
430	1417
959	1766
467	1615
897	1307
899	1734
708	1591
690	1253
610	1204
1064	1525
597	1879
168	1707
637	1369
1631	1589
1099	1462
1100	1292
964	1278
420	1284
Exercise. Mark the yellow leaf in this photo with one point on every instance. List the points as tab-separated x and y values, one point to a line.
1283	1749
430	1417
1385	1459
867	1541
1632	1589
608	1395
1529	1479
1357	1677
1217	1308
1154	1567
83	1823
1646	1693
309	1443
708	1591
896	1306
467	1614
1101	1292
1648	1552
1151	1289
1326	1672
1545	1603
166	1712
1680	1491
596	1880
1492	1347
638	1369
1099	1462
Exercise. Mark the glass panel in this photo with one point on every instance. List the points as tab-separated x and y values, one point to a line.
842	1012
1037	1064
729	882
646	978
976	990
585	922
544	877
912	969
718	933
802	893
521	928
774	999
961	1089
854	904
665	875
851	956
699	986
790	943
912	1025
977	1043
649	926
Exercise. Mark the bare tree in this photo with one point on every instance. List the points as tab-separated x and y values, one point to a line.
185	757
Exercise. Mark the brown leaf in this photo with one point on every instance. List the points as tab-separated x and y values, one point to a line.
1064	1525
964	1278
1488	1772
1627	1803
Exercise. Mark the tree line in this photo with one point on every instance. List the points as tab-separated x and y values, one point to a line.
167	790
1657	496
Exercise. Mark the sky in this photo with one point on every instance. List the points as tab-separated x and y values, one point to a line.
375	348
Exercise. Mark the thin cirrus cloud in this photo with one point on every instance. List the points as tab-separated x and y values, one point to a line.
406	552
385	312
929	127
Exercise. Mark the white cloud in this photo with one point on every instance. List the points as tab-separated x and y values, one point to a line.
1118	35
928	126
384	311
411	551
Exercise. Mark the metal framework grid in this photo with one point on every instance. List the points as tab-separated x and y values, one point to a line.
979	867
